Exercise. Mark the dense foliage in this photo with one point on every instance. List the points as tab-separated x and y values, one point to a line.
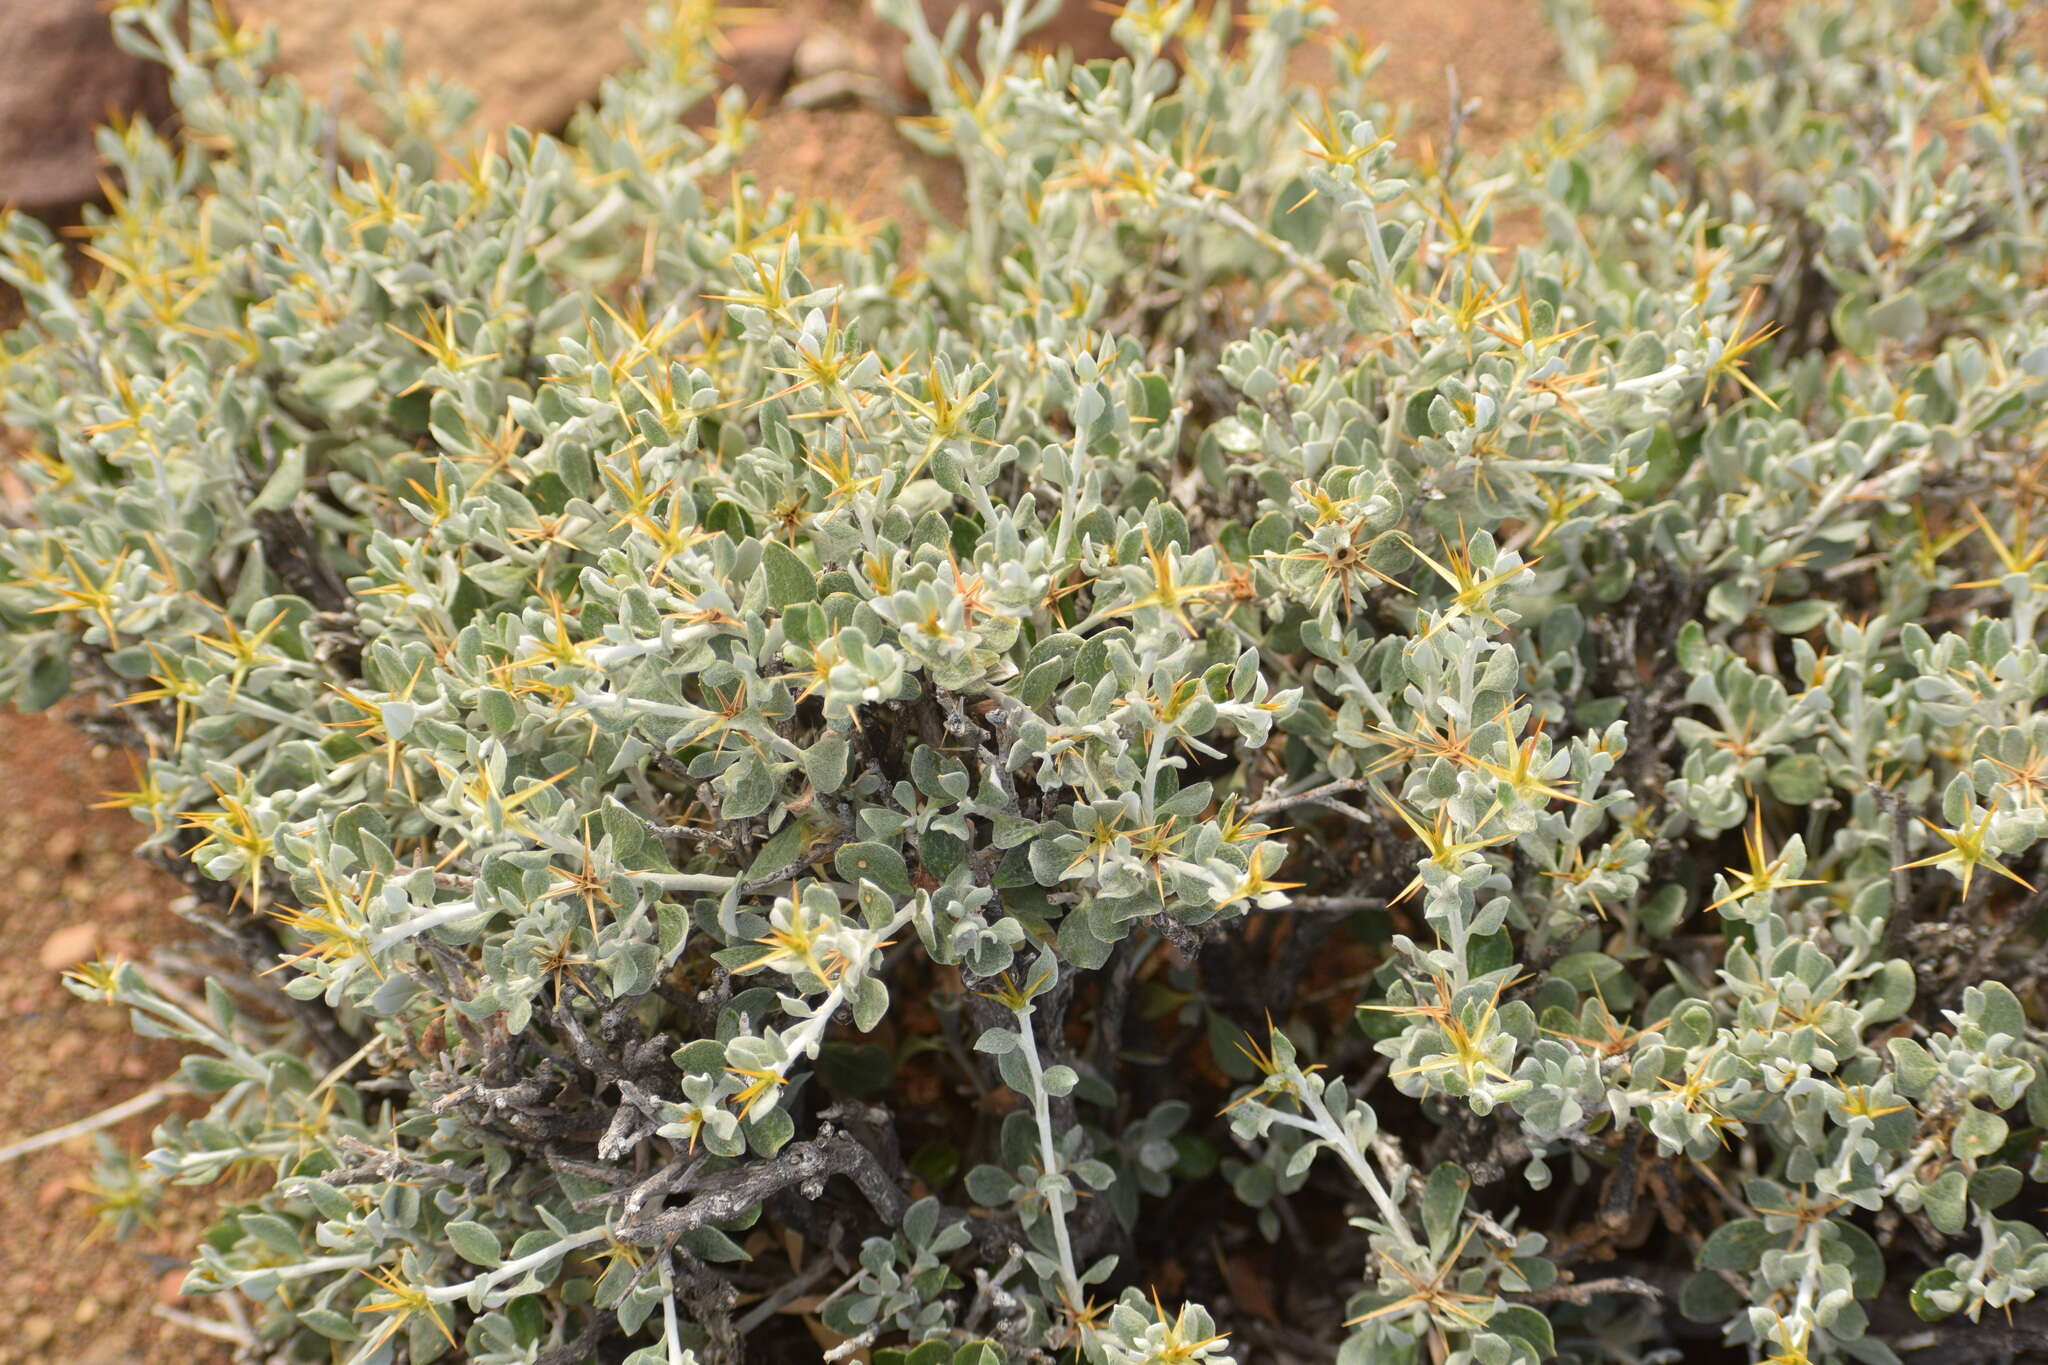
1270	748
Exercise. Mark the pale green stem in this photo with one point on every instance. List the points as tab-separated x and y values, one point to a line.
1048	1160
512	1270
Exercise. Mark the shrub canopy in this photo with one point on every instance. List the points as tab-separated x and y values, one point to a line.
1473	718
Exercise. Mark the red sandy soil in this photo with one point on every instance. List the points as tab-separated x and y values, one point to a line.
71	888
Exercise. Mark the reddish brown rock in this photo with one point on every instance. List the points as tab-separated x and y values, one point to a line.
69	946
1081	29
532	62
61	77
1077	26
761	58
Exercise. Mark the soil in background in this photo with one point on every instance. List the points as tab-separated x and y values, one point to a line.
71	889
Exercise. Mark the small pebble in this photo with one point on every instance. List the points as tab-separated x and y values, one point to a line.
69	946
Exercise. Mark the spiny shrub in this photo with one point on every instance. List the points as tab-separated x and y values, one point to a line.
1264	749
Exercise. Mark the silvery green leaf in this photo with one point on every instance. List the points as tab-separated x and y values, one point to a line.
475	1243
